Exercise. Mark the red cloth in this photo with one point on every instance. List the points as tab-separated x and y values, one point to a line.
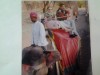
68	47
33	14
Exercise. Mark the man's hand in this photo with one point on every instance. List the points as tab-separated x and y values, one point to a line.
67	29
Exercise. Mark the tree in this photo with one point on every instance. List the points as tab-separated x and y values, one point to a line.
45	5
28	5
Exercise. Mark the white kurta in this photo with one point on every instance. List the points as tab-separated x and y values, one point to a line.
39	34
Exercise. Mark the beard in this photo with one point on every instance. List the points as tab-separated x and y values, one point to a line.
33	21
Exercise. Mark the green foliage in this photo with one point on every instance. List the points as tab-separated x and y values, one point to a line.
81	4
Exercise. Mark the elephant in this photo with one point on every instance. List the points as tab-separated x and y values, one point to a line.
35	61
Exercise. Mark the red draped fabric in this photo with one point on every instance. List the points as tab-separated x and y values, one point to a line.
68	47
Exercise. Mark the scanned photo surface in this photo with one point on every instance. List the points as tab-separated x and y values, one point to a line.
56	38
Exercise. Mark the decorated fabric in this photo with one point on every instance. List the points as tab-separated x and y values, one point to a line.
68	48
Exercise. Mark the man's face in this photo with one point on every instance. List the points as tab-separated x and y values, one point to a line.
69	6
50	10
33	19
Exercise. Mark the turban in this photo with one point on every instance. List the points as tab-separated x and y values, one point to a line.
33	14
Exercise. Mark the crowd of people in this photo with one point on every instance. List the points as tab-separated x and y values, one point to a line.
62	19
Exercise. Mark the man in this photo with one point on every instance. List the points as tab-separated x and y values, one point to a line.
66	16
70	20
38	32
70	10
49	14
61	13
49	21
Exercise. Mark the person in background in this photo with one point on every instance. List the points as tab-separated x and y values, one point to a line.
61	22
61	13
49	13
71	21
62	17
50	21
71	14
38	32
66	15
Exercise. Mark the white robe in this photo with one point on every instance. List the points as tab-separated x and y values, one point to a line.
39	34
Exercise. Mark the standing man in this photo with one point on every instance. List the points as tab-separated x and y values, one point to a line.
38	32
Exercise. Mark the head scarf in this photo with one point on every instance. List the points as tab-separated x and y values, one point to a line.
33	14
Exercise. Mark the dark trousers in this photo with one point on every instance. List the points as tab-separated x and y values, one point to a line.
44	49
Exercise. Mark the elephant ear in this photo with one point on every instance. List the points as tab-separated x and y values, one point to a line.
52	57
